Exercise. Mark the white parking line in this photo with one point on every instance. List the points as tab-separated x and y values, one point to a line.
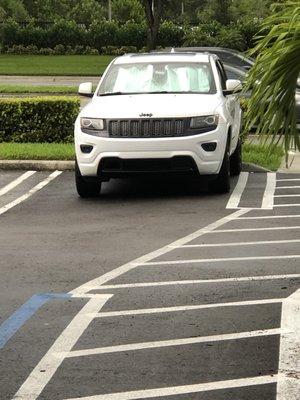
233	244
288	386
46	368
176	390
268	197
273	228
287	187
287	195
288	179
95	283
272	216
32	191
168	343
37	380
236	195
199	281
216	260
16	182
185	308
287	205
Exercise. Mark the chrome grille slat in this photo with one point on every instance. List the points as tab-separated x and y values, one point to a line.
147	128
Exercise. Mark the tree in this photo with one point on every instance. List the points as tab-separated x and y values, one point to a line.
127	10
217	10
13	9
249	9
87	11
273	77
153	10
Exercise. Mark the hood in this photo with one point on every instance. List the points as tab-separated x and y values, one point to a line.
159	105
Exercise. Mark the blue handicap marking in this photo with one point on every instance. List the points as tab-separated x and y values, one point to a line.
9	327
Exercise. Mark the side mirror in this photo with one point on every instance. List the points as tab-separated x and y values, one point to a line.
86	89
233	86
298	83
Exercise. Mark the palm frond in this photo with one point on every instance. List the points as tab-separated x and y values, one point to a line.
273	78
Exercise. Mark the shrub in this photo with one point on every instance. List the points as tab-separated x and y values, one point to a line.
170	34
231	38
40	119
109	50
59	50
90	51
46	51
78	49
132	34
104	34
198	37
249	29
67	33
9	33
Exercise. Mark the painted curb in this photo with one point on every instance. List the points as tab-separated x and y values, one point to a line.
37	165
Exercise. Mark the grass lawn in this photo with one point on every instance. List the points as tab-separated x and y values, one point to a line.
260	155
53	65
37	151
24	89
252	153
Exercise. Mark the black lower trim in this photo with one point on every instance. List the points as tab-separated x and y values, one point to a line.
118	167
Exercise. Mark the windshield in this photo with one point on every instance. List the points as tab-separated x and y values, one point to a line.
158	78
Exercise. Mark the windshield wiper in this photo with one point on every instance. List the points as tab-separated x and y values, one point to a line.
112	93
161	92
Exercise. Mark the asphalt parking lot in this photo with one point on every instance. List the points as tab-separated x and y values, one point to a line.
154	290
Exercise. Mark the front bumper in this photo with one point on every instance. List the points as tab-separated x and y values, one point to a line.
207	162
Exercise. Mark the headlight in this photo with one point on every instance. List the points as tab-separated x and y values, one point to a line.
207	121
93	126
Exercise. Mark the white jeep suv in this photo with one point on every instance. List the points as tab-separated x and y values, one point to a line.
159	113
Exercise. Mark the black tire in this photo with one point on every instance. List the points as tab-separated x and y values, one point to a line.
86	189
236	160
222	183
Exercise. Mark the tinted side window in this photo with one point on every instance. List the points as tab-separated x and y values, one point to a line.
222	74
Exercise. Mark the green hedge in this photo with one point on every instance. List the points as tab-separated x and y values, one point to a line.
39	119
68	37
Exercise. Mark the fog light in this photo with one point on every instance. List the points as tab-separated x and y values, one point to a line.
86	148
209	146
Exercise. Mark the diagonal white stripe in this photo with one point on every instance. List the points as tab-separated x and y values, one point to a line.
272	216
176	390
186	308
273	228
95	283
237	193
287	205
199	281
268	197
168	343
233	244
16	182
215	260
32	191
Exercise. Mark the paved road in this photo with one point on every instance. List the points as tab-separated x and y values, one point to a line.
157	290
47	80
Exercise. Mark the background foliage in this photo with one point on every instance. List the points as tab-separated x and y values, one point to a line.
82	26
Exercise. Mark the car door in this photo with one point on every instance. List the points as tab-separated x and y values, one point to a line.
233	107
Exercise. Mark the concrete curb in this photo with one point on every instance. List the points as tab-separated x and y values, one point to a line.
249	167
37	165
53	165
293	163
